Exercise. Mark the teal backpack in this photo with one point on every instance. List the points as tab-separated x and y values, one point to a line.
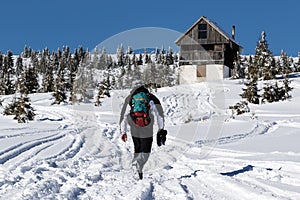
140	108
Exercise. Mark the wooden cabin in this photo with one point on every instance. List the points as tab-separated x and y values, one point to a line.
206	52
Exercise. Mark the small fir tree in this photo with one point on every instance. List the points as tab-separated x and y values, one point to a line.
103	90
251	92
24	112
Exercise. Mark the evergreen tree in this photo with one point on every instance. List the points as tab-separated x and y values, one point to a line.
21	86
60	86
1	61
27	52
19	66
24	112
120	55
263	58
100	94
10	63
285	64
48	79
268	93
251	92
73	68
297	65
250	69
237	67
2	80
129	50
7	86
286	67
169	57
140	60
21	108
287	88
20	75
83	83
31	78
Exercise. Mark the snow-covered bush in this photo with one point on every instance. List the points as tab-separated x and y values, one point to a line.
239	108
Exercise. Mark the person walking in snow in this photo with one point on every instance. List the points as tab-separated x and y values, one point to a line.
138	112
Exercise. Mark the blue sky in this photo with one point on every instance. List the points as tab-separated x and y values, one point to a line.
56	23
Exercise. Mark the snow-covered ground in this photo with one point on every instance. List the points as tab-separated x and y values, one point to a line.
75	151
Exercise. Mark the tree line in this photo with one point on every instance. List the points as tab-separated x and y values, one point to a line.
81	76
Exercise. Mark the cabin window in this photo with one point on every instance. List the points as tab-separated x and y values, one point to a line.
202	31
218	47
209	47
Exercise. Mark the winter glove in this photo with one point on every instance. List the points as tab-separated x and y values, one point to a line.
124	137
161	137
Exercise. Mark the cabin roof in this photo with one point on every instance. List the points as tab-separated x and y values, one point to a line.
214	25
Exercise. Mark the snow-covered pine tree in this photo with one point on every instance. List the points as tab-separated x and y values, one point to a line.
20	86
100	94
120	55
103	90
150	73
169	57
19	66
2	83
237	71
267	95
21	107
44	61
26	52
251	92
287	69
10	63
24	112
129	50
285	64
287	88
297	65
249	68
263	58
1	61
83	83
7	74
278	92
31	78
126	77
48	79
140	59
271	92
147	58
73	68
101	60
60	87
136	74
10	109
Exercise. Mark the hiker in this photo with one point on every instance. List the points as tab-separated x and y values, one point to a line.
138	112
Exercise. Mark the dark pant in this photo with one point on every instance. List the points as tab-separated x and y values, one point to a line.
142	140
142	145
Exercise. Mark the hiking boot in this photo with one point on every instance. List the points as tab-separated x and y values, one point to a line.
141	175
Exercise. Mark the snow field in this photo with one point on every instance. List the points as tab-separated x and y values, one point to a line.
75	152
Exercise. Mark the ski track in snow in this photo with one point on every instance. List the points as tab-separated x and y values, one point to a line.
80	156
